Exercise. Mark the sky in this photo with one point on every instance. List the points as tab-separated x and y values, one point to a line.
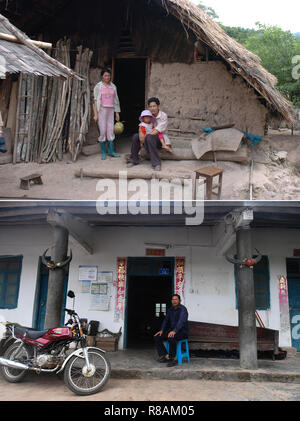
245	13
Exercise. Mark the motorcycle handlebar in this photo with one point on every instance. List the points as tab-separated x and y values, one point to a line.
70	311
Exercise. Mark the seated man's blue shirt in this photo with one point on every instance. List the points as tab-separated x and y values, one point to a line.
176	320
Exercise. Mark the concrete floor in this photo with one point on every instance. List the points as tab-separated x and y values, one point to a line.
142	364
137	376
49	388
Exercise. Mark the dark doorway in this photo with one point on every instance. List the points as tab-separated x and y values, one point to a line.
150	283
130	79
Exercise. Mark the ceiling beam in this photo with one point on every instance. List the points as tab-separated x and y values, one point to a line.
79	229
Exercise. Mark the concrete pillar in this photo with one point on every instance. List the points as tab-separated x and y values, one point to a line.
56	281
246	302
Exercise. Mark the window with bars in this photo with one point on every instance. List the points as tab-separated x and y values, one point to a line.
261	276
160	309
10	272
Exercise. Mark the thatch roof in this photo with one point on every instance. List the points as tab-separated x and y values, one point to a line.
241	61
25	57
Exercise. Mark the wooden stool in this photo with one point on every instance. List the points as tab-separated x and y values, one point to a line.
25	181
209	173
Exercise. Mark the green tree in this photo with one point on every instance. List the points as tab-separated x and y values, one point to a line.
276	48
241	35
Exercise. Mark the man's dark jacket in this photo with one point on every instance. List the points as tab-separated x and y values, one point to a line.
176	320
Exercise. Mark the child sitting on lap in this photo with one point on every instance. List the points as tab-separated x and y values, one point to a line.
147	127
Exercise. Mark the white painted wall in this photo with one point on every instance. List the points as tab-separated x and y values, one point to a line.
209	289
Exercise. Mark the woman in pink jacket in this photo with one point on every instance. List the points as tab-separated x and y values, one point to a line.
106	104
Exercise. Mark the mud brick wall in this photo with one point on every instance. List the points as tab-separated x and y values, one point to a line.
207	91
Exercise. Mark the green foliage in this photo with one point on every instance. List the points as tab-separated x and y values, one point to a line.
276	48
239	34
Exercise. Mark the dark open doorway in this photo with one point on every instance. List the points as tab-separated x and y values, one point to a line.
150	283
130	79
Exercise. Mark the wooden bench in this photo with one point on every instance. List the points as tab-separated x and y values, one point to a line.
34	178
214	337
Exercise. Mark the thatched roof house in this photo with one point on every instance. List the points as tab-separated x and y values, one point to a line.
165	48
240	60
19	54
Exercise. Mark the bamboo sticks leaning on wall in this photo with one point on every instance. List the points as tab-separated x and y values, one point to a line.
53	114
58	101
80	103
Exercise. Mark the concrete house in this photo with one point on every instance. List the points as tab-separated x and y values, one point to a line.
125	268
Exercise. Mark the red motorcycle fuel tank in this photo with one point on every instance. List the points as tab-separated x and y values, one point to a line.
55	334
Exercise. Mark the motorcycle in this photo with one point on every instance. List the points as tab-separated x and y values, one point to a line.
85	370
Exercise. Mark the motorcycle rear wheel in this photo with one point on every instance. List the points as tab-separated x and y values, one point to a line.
82	382
14	375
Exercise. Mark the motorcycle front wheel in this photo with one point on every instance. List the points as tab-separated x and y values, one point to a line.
83	381
14	375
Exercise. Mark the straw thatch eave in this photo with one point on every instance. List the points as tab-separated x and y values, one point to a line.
240	60
26	57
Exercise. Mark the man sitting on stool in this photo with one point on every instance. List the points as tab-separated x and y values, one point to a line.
174	328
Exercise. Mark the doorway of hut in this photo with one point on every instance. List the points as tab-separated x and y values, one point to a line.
149	287
130	79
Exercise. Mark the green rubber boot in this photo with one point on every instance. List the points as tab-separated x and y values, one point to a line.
103	151
111	151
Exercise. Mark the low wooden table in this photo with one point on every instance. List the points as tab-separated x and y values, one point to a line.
209	173
34	178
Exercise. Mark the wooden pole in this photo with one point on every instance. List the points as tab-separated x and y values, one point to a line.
139	174
15	149
12	38
26	41
251	179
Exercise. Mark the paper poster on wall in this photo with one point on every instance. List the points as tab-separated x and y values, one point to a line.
85	287
103	288
95	288
105	276
100	296
87	273
104	301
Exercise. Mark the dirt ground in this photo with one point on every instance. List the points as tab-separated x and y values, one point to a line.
273	178
51	388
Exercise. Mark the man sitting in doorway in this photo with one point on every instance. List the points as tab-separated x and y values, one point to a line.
174	328
152	142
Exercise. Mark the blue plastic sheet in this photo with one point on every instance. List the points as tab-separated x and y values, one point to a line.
254	139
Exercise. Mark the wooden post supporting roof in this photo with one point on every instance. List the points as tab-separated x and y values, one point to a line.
236	226
63	224
246	301
77	227
56	281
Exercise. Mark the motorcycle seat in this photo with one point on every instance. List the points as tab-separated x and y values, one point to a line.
30	333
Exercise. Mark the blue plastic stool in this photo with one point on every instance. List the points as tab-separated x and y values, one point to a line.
179	354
